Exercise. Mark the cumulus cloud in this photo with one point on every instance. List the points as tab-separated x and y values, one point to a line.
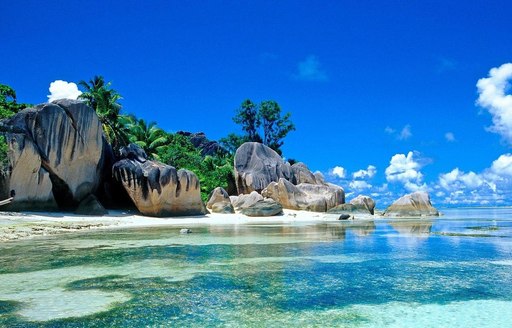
389	130
405	169
449	136
63	90
339	172
359	185
310	70
492	96
491	186
368	173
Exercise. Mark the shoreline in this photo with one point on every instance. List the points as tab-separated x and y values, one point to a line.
16	226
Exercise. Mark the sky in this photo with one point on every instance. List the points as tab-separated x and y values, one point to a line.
388	97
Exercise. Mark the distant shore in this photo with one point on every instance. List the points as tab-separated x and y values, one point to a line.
27	225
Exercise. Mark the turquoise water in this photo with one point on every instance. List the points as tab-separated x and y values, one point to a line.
455	271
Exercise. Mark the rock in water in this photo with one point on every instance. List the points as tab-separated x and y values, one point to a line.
412	205
56	157
305	196
265	207
364	203
257	165
158	189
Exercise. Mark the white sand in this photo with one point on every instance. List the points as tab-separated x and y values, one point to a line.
16	226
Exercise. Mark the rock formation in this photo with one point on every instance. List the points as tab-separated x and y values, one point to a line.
155	188
305	196
364	203
257	165
56	156
412	205
219	202
264	207
200	141
244	201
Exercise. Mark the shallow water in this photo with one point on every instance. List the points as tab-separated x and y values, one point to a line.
455	271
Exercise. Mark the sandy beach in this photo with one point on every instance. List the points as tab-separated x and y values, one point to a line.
19	226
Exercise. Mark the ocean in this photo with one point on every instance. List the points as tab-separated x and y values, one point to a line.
451	271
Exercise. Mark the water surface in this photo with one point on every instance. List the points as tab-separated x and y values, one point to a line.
454	271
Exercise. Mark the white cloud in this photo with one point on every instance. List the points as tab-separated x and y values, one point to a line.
339	172
359	185
405	133
389	130
63	90
404	169
310	70
492	96
368	173
502	166
449	136
492	186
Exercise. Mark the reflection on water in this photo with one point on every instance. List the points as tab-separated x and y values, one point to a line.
382	273
413	228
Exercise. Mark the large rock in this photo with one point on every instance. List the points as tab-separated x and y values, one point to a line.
302	174
219	201
158	189
349	209
56	156
256	166
305	196
244	201
265	207
412	205
364	203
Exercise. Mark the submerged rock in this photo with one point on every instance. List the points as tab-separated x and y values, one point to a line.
158	189
56	156
265	207
412	205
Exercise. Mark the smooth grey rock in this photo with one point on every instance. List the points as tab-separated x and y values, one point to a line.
56	158
244	201
302	174
364	203
256	165
216	196
305	196
222	208
265	207
416	204
158	189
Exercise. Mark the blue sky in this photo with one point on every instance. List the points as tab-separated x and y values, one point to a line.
382	91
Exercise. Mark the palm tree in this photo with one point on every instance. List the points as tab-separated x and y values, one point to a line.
148	136
104	101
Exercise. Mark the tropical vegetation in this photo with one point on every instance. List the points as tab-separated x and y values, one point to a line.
259	122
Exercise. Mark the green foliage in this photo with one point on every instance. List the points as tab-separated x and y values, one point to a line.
247	116
4	160
275	126
214	172
266	115
147	136
180	153
105	101
232	142
8	103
